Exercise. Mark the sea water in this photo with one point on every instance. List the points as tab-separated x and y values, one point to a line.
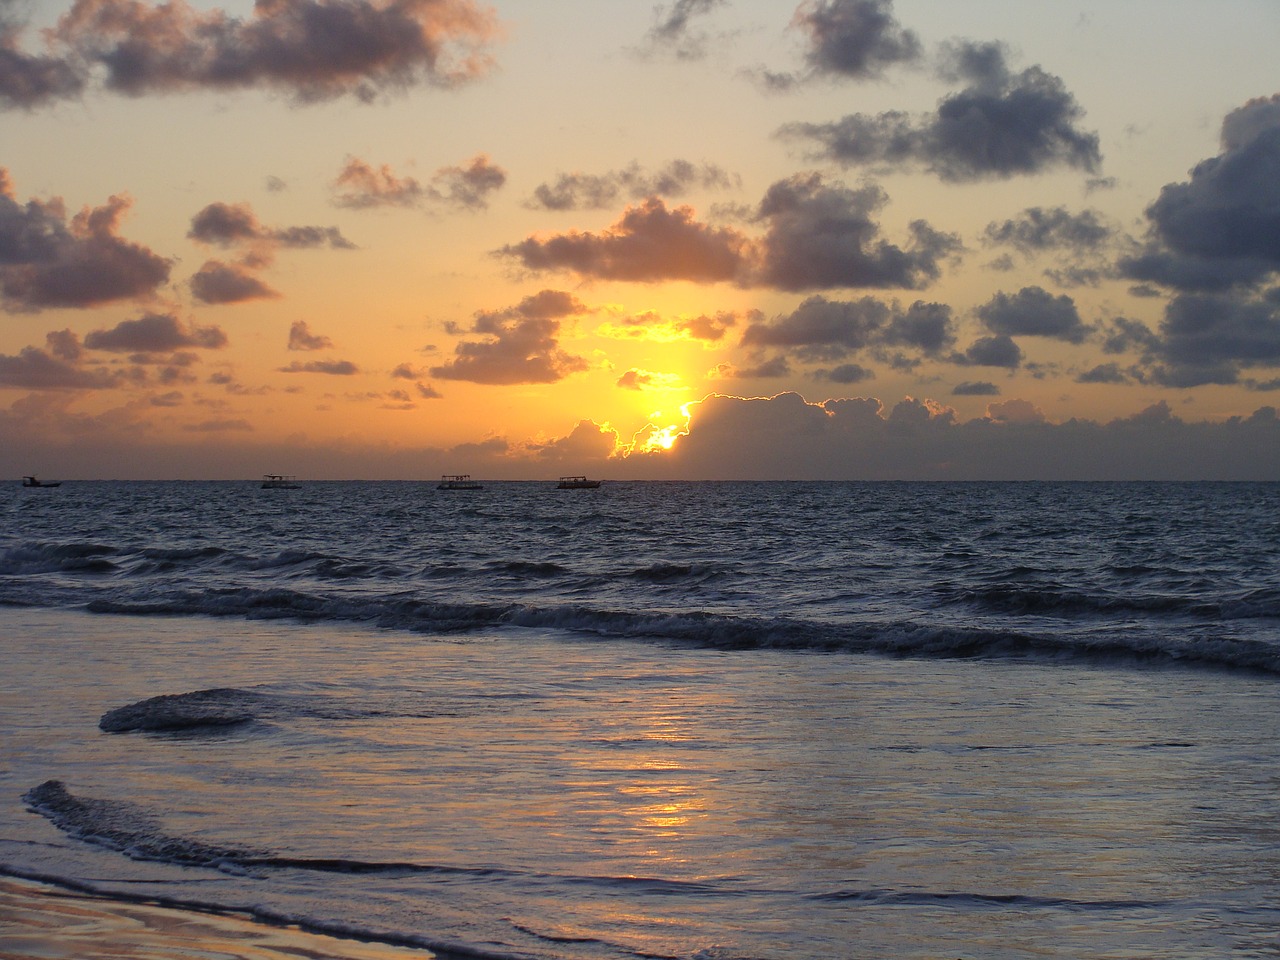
694	720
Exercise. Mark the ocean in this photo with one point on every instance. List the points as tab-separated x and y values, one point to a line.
713	721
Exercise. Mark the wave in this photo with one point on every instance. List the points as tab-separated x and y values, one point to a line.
1052	600
898	638
58	558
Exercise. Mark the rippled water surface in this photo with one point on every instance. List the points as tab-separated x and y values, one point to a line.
702	721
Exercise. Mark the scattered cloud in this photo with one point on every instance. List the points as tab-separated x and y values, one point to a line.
584	191
301	338
229	225
1034	312
1037	229
339	368
827	330
521	346
155	333
818	236
975	388
1221	228
57	366
360	185
47	261
673	33
220	282
637	379
706	328
311	50
1002	124
857	39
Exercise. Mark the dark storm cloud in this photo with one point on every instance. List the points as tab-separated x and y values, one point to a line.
1221	228
649	244
822	236
522	344
1002	124
45	262
673	33
855	38
585	191
338	368
235	224
301	338
155	333
312	50
218	282
1037	229
1033	312
818	236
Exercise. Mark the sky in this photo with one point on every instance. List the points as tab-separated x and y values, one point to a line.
697	239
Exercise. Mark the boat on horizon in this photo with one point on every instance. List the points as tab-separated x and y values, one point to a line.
458	481
577	483
279	481
34	482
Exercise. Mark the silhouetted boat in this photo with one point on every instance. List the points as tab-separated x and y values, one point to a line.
577	483
458	481
33	482
278	481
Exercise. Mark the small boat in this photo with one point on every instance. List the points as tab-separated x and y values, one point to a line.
458	481
33	482
577	483
278	481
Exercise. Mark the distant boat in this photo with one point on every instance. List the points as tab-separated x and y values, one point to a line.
33	482
458	481
278	481
577	483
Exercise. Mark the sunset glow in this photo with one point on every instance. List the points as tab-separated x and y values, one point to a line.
221	253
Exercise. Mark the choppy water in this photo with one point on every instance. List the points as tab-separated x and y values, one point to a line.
705	720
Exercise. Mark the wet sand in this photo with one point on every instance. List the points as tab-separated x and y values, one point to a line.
42	922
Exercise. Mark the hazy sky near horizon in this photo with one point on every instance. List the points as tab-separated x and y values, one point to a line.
700	238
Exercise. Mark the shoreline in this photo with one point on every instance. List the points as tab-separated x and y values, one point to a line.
44	921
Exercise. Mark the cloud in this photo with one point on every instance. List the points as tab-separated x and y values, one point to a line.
28	81
220	426
1038	229
636	379
975	388
825	330
708	328
997	351
219	282
1210	338
846	373
1033	312
857	39
339	368
311	50
522	344
1104	373
588	442
649	244
1221	228
785	437
821	236
235	224
56	367
818	236
301	338
155	333
48	262
360	185
583	191
673	34
1001	125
